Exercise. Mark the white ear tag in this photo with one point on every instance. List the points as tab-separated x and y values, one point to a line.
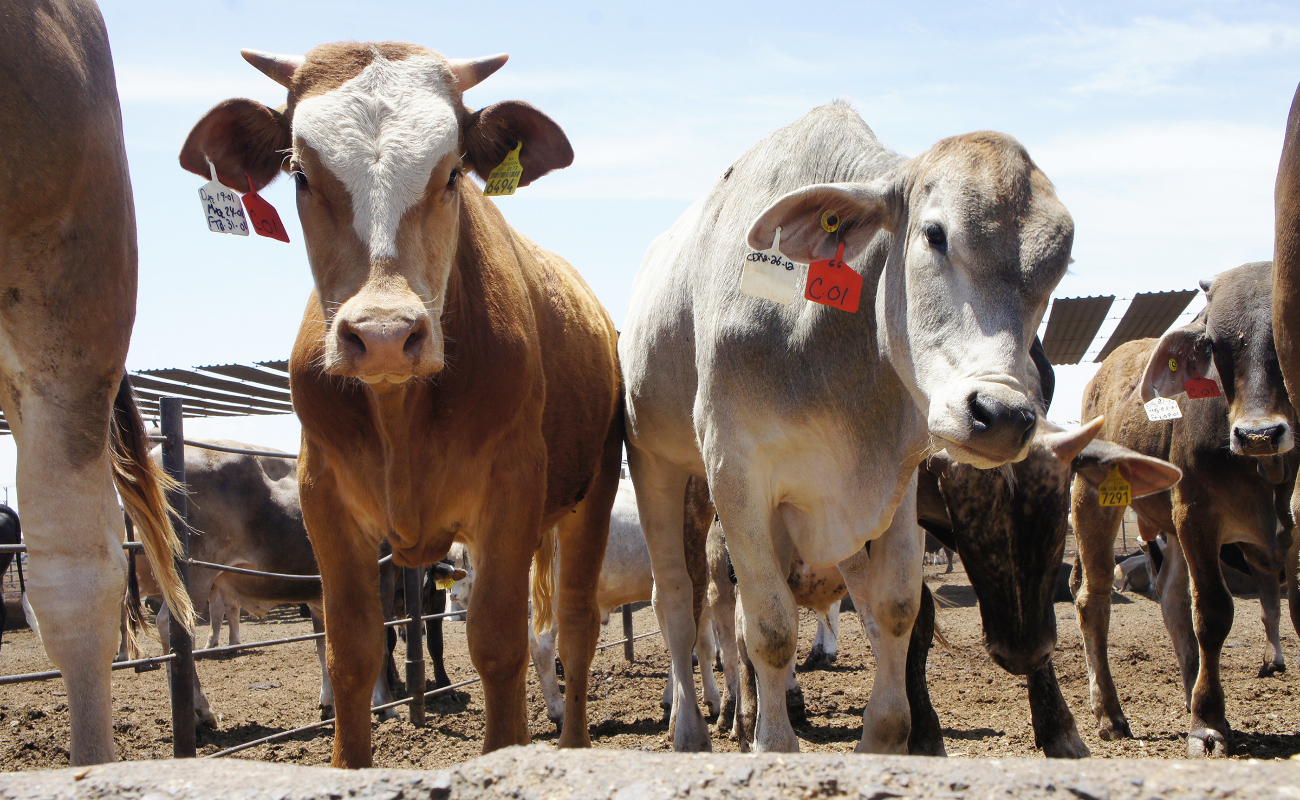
222	206
770	275
1163	408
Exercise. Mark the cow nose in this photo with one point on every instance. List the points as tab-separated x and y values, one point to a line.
992	418
1019	660
1261	439
384	346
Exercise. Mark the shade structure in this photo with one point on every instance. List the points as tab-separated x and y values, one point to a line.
1150	314
1072	324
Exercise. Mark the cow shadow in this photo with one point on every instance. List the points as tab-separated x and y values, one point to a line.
248	731
956	596
1265	746
641	726
971	734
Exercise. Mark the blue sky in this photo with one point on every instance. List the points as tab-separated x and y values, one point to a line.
1160	124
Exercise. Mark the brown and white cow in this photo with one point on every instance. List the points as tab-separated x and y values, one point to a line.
454	380
68	272
1236	453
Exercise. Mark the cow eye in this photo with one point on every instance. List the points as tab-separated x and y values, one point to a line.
452	178
935	236
300	178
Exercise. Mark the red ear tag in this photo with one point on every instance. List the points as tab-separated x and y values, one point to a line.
262	215
1198	387
834	283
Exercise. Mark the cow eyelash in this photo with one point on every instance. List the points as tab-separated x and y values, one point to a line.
300	178
453	178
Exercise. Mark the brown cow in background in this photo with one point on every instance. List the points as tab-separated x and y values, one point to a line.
454	380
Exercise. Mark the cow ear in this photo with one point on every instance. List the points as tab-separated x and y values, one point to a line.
244	139
492	132
815	219
1145	475
1180	354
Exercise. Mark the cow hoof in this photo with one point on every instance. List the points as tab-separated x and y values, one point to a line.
1116	730
1206	743
795	707
326	712
1070	745
386	714
711	708
559	725
668	714
818	659
1271	668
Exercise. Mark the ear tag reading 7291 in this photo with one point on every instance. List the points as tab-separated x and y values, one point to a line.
505	178
222	207
833	283
262	215
1115	491
770	275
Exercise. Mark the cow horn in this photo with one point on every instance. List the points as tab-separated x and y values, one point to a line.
277	67
1066	445
470	72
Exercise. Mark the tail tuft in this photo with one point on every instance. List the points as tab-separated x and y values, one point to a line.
542	582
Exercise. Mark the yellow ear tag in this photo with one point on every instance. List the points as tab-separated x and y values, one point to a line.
505	178
1173	365
830	221
1115	491
444	583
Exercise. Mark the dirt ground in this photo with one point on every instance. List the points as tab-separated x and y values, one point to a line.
984	711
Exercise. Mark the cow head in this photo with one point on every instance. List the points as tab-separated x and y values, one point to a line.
1009	525
978	242
377	139
1231	343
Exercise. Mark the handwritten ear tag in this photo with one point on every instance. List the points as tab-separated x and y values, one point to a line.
1198	387
262	215
505	178
833	283
1115	491
221	205
770	275
1162	409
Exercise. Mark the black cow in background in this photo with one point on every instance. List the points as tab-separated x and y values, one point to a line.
11	532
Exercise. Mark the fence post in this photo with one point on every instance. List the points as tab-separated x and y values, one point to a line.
627	632
414	643
180	673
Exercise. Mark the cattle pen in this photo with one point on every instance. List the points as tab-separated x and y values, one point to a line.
180	654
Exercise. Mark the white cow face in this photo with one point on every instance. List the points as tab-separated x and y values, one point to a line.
979	241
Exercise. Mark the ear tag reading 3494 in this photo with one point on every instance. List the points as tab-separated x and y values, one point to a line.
1162	409
770	275
262	215
1198	387
1114	491
445	583
505	178
221	205
833	283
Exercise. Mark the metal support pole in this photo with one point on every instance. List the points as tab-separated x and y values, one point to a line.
414	644
180	673
627	632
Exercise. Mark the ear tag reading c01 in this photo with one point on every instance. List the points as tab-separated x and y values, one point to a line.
770	275
1198	387
1162	409
262	215
222	207
833	283
1114	491
505	178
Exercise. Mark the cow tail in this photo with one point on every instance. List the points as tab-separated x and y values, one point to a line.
542	582
143	488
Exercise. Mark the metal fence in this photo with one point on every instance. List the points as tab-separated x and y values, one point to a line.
180	655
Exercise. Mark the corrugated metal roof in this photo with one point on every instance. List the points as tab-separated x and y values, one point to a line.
1150	314
1072	324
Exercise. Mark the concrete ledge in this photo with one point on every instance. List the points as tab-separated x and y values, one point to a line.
540	772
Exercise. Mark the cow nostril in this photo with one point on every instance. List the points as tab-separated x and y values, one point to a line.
983	418
351	339
415	342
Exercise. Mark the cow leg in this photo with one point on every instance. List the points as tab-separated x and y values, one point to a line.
233	610
887	583
795	706
705	647
216	613
433	637
326	704
1213	611
660	495
1270	606
496	627
926	737
746	720
202	709
1291	568
1054	728
1095	528
825	649
543	652
1174	588
354	618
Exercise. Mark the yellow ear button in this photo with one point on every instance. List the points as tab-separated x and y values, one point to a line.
830	221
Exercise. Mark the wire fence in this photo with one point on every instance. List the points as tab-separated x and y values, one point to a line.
181	653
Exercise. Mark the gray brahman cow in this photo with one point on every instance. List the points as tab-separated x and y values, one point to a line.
808	421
